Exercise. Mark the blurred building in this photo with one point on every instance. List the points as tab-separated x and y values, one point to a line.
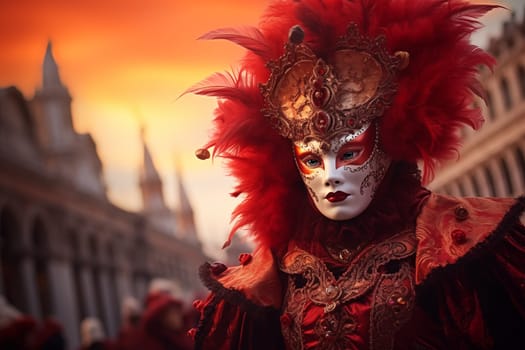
492	159
65	250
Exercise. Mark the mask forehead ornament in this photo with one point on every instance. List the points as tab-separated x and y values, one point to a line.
310	98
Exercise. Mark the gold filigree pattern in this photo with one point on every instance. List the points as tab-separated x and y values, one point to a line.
394	301
330	326
310	98
296	301
365	275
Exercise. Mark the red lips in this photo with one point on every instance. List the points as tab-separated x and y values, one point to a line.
337	196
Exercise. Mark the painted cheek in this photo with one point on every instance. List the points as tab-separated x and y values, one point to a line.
314	183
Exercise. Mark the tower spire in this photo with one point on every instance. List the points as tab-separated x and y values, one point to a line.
184	201
51	77
148	172
154	205
185	217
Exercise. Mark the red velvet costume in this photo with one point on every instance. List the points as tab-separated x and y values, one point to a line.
415	270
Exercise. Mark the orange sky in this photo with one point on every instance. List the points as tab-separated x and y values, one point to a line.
125	62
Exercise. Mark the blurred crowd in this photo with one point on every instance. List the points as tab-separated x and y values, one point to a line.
160	322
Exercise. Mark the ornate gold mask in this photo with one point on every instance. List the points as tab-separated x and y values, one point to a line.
308	98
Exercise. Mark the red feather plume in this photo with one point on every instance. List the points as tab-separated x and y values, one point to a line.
434	99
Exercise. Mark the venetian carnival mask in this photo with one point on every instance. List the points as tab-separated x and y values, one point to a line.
329	108
342	178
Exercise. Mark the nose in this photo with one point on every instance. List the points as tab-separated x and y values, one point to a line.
332	182
332	176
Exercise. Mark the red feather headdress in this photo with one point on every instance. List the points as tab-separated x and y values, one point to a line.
434	99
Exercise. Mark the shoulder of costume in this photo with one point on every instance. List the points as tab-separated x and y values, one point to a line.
252	285
451	230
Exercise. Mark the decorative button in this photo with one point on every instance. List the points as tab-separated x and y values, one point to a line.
328	325
245	258
401	301
217	268
202	153
330	307
459	236
344	254
397	300
332	290
461	213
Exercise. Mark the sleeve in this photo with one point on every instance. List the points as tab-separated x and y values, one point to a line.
480	299
242	309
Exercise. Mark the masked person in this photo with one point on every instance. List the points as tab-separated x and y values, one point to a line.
323	125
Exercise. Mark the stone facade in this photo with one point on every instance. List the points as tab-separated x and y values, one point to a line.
65	250
492	159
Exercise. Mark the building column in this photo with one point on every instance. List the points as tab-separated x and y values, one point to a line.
467	185
498	176
141	286
109	309
515	175
28	281
514	85
86	281
454	188
63	298
123	275
124	285
494	88
483	182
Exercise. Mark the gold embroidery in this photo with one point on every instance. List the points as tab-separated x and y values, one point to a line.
331	326
394	300
310	281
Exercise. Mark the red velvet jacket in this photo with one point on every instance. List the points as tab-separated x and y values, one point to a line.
456	280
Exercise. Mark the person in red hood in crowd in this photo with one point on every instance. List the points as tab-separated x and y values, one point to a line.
162	325
93	336
49	335
131	315
16	329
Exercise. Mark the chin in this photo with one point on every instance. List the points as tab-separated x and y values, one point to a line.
341	213
340	216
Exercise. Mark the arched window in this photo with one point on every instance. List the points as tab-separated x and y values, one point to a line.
505	90
39	240
77	276
112	271
12	286
521	80
462	190
475	185
94	253
490	105
490	181
509	187
521	162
